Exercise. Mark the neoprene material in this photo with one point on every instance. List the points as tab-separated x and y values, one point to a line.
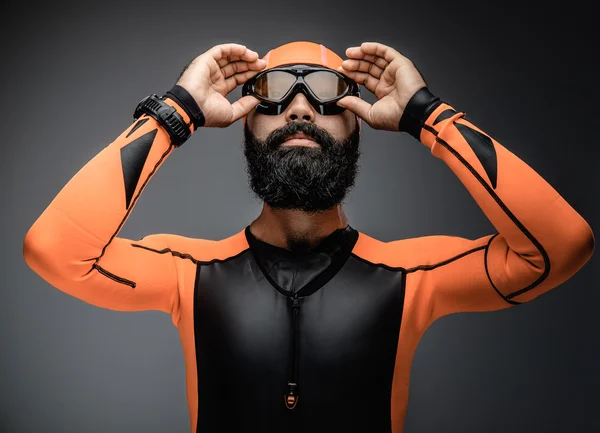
318	342
417	110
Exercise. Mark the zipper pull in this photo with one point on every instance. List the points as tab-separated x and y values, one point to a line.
291	399
291	396
295	303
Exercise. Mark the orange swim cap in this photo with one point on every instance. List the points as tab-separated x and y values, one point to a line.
302	52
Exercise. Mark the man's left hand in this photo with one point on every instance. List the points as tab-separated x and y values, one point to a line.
389	75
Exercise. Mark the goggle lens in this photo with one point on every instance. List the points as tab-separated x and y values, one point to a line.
326	85
274	84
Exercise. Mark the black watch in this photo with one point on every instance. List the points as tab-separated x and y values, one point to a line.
166	115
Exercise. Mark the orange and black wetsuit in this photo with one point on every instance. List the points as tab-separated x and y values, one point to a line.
276	341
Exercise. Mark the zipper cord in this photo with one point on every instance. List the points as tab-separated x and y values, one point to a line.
291	396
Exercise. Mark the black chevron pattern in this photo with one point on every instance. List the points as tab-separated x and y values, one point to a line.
133	158
446	114
136	126
483	147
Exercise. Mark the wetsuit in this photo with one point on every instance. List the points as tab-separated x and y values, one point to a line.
276	341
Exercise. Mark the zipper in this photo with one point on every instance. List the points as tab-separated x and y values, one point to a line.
291	396
114	277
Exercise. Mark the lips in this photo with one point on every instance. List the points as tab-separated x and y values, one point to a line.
298	135
301	139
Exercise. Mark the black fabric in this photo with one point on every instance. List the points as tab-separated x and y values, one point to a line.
136	126
188	103
133	158
484	148
446	114
303	272
417	110
346	341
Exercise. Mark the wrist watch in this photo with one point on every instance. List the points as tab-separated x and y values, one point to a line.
166	115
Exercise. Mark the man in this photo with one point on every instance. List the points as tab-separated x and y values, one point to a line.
299	322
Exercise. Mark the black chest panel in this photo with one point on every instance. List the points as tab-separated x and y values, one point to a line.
337	345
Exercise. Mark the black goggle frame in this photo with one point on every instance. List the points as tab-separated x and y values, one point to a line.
326	107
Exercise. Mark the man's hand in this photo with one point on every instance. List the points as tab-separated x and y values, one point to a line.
389	75
215	73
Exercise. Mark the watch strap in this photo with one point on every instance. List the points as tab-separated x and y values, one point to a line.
180	95
166	115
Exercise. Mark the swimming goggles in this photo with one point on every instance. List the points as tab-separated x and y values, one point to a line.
277	87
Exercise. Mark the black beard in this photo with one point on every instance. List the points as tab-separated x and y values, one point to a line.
311	179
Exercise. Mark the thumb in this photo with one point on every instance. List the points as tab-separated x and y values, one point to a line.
243	106
358	106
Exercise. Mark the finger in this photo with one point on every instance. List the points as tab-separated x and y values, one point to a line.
363	66
377	49
390	73
235	57
240	66
364	78
233	68
237	79
243	106
225	53
358	106
357	53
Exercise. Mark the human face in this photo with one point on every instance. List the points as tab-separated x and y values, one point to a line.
312	172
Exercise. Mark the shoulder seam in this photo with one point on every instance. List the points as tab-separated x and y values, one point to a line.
188	256
445	262
381	265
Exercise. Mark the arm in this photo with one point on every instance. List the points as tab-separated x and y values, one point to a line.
541	241
74	246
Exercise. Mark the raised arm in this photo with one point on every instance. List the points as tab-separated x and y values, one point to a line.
541	241
74	245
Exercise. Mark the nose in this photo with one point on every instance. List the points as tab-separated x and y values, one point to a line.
300	109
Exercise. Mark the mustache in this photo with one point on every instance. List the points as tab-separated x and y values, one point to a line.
320	135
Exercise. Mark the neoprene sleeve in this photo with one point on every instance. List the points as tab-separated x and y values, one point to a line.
541	239
74	245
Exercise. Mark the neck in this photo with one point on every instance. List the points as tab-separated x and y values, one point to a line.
295	229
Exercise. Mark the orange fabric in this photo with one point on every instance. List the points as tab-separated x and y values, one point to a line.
74	246
302	52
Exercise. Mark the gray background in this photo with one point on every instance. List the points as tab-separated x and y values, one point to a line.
71	77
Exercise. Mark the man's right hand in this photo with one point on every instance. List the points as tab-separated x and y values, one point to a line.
215	73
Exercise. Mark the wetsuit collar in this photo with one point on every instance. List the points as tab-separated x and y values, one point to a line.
303	272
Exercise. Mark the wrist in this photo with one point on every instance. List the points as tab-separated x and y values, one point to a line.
187	102
417	110
168	114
